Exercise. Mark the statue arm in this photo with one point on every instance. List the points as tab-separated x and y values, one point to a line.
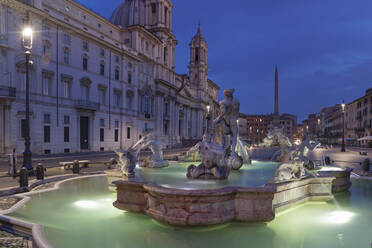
222	114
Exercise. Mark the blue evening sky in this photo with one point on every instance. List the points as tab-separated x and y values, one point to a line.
323	48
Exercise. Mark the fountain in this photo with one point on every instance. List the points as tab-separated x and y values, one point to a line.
156	159
192	203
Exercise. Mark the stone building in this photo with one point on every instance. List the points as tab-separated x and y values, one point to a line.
359	119
259	125
98	84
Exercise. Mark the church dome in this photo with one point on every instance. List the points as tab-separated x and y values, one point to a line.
130	12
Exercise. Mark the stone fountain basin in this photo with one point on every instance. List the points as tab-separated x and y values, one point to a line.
342	177
181	207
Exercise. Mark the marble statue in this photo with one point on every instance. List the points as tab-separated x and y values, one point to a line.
276	138
193	154
156	159
127	161
218	151
294	169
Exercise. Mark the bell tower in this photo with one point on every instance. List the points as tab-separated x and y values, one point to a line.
198	67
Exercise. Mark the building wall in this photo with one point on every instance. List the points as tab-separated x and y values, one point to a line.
147	95
359	119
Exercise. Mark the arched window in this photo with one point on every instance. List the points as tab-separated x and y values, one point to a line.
85	62
102	68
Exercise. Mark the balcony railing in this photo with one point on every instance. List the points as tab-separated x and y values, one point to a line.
7	92
87	105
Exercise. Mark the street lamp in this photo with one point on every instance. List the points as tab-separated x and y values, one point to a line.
27	45
343	126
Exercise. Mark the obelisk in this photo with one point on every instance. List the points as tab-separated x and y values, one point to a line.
276	116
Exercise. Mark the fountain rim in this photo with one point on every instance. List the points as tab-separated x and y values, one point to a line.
31	228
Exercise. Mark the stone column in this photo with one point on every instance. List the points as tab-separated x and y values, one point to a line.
185	121
159	115
177	120
200	124
172	117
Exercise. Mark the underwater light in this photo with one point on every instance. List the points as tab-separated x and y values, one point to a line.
86	204
339	217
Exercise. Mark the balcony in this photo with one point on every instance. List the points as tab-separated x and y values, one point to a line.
7	92
86	105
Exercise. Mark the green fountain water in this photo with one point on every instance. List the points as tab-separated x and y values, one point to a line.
81	214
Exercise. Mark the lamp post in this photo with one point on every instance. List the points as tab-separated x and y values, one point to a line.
27	45
208	118
343	126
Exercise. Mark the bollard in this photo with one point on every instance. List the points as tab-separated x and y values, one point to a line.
39	172
76	167
327	160
23	177
366	164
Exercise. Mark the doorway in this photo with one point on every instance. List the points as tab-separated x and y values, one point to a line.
84	133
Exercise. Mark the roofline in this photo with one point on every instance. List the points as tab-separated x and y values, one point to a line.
79	5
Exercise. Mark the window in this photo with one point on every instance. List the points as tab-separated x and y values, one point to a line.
46	118
85	63
66	38
146	104
117	59
129	77
84	92
116	134
165	55
116	138
153	11
166	16
46	47
165	127
66	134
102	68
102	52
117	99
66	55
66	85
102	122
129	102
46	134
117	74
46	30
66	119
47	84
102	134
128	133
85	45
102	96
99	25
197	54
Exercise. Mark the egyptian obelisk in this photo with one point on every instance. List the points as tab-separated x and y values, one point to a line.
276	116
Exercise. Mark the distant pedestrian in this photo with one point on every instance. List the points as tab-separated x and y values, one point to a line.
12	161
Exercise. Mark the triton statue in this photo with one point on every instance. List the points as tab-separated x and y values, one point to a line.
218	152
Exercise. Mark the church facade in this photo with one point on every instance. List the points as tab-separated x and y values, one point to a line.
98	84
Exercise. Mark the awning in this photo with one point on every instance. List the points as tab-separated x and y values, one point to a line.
365	138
